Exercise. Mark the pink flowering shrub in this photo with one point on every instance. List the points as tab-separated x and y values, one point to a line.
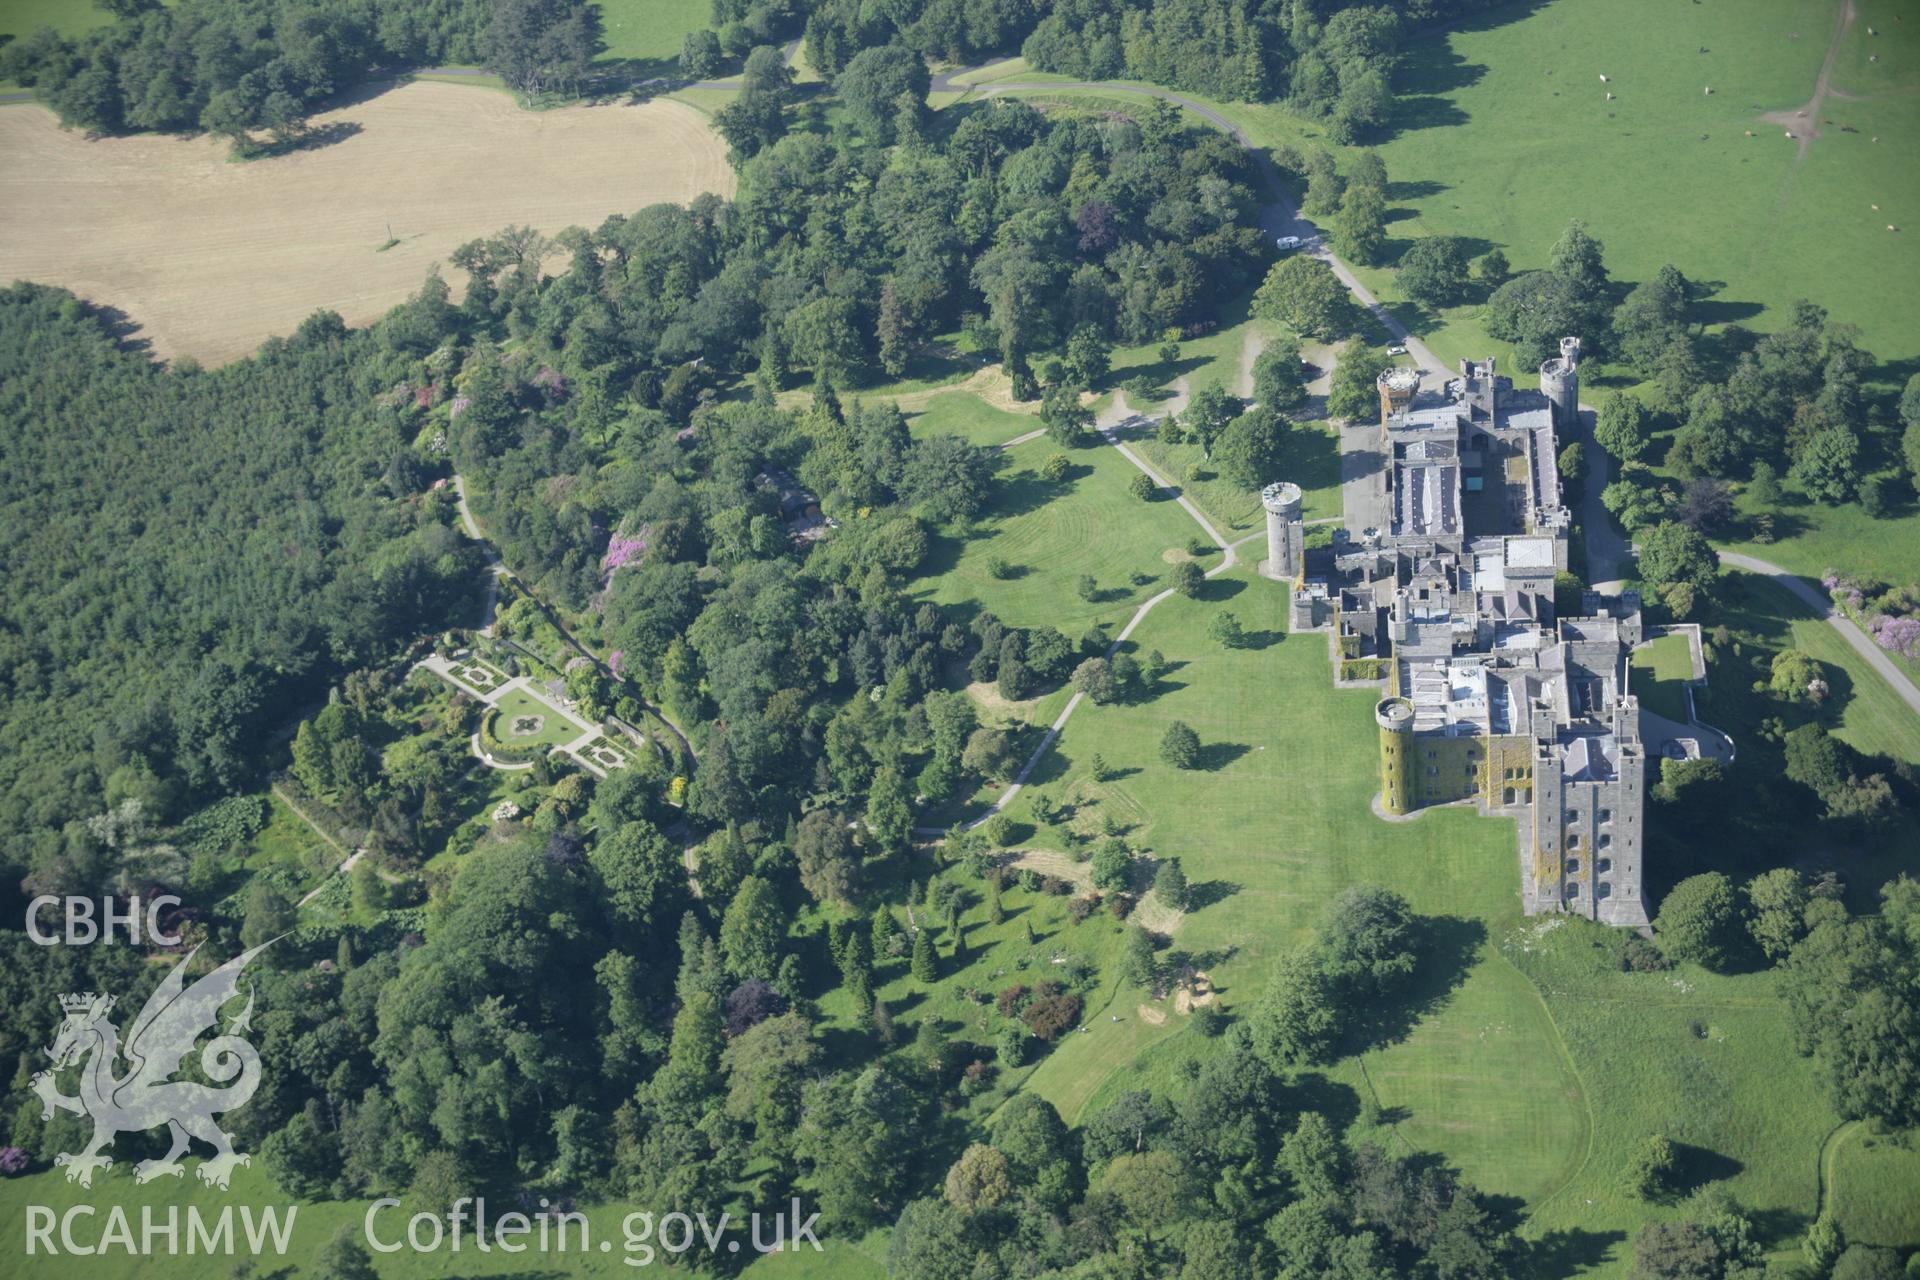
458	407
551	384
613	659
1898	635
623	549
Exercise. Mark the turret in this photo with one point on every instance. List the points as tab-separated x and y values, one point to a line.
1560	384
1395	718
1286	537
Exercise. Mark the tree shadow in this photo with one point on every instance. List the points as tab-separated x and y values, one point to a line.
1216	756
1698	1166
1573	1251
1207	892
1261	639
121	327
1218	589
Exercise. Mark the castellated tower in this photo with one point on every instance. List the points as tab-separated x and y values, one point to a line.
1286	537
1397	388
1395	718
1560	383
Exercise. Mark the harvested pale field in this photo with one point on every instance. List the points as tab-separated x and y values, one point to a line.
209	258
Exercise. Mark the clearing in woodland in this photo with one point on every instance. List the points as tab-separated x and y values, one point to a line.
209	257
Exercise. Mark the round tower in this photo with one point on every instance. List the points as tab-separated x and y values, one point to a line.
1397	387
1560	383
1285	534
1395	718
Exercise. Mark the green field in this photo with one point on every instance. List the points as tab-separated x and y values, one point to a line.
24	17
1661	669
960	413
649	30
1052	536
1504	134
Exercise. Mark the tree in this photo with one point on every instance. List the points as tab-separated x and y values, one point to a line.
1250	448
1652	1168
1360	228
1827	466
1094	677
345	1258
1089	355
1303	292
1180	746
766	1070
1823	1244
269	915
979	1179
1066	420
700	54
1573	464
757	117
1279	374
1038	1147
924	965
890	807
1795	676
1113	866
1492	269
1433	270
1651	317
1141	486
1224	630
1624	428
1353	392
1700	921
1188	577
540	46
1534	310
1869	1262
1368	940
752	930
1313	1159
1170	884
1136	962
872	83
1010	1046
1672	553
1576	256
824	851
1208	414
1777	904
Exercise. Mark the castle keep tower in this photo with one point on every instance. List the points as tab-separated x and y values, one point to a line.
1286	537
1560	384
1397	388
1395	718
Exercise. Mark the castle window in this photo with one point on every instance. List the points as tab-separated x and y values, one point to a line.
1606	815
1573	891
1573	866
1573	839
1606	841
1433	771
1604	891
1604	866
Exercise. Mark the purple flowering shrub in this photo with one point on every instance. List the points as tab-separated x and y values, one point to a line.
624	549
1898	635
13	1160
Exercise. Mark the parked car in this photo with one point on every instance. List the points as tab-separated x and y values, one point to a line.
1396	351
1287	244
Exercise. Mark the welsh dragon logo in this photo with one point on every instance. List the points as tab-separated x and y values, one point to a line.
144	1095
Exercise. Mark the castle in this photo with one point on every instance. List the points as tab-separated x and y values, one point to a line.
1442	587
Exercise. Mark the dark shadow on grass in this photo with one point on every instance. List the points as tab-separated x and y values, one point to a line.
1217	589
1207	892
1699	1166
1215	756
1566	1253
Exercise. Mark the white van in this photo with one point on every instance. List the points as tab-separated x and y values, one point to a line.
1287	243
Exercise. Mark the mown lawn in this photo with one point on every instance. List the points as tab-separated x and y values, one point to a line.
1661	669
960	413
649	30
1050	536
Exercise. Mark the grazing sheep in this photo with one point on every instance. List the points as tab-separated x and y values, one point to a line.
1609	97
1708	91
1604	80
1876	208
1789	133
1891	227
1749	133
